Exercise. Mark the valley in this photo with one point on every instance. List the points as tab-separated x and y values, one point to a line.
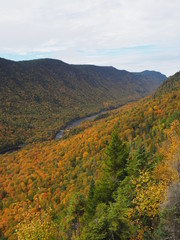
76	123
69	186
61	132
39	97
90	120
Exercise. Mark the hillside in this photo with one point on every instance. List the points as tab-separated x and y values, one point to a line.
39	97
172	84
106	179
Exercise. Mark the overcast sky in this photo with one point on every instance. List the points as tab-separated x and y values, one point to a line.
128	34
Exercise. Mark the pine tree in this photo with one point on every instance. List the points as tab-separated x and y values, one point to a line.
90	203
115	169
117	155
137	162
147	127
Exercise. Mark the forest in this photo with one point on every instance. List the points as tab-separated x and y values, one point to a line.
115	177
39	97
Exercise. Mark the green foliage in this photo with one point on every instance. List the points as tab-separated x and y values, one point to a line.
82	179
72	224
98	227
172	117
117	155
2	236
114	170
108	220
90	203
117	215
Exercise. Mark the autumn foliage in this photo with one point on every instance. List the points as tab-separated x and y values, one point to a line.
53	185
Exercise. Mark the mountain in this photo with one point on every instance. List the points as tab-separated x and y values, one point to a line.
108	178
172	84
39	97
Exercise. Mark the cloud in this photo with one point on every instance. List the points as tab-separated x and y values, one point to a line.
129	34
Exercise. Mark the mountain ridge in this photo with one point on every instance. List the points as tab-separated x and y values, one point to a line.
38	97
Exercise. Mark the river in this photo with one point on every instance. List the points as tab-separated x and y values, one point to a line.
59	135
76	123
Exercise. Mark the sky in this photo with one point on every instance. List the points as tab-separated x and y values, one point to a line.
134	35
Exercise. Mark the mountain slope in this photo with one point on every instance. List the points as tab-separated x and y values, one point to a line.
54	180
38	97
172	84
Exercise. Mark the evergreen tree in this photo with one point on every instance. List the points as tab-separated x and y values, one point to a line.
119	227
138	162
147	127
115	169
91	189
141	157
98	227
117	155
90	203
74	212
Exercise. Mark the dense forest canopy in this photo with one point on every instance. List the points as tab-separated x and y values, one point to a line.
39	97
116	177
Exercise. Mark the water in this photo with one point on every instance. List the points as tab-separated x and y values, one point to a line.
59	134
76	123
